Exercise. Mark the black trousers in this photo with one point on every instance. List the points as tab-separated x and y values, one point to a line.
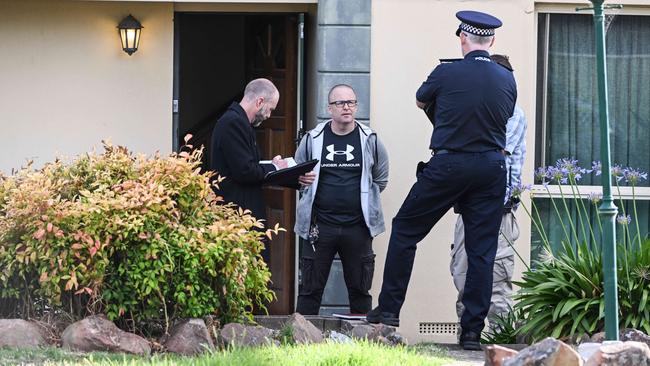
354	246
476	181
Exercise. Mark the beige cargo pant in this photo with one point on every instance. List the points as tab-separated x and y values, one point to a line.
504	263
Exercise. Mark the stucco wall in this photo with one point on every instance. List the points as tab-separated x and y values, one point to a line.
408	38
67	84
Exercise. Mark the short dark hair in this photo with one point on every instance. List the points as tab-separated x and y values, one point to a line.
502	60
329	95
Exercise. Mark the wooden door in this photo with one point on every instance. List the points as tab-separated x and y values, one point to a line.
271	53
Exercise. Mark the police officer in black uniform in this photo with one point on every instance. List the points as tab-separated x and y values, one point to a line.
472	101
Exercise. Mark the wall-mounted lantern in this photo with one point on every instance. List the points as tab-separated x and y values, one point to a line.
130	29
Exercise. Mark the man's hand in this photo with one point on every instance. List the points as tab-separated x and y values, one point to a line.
307	179
420	104
279	163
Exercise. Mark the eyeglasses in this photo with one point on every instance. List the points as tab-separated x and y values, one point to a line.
340	103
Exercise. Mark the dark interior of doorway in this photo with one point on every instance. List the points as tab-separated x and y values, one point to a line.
211	73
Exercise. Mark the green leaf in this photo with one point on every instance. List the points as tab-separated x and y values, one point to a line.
644	299
557	330
569	305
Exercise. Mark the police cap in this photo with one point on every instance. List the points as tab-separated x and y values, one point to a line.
477	23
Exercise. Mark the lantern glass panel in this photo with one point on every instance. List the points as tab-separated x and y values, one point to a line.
136	43
123	38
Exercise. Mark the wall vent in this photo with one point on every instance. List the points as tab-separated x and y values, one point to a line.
438	328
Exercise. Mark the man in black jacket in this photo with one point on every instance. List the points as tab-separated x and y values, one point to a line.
234	152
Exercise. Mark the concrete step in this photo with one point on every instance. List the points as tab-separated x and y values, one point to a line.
324	323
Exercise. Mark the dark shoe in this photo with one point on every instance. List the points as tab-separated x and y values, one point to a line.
470	341
376	316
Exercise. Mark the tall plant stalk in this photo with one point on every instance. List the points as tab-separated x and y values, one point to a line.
581	205
557	212
626	229
568	213
636	216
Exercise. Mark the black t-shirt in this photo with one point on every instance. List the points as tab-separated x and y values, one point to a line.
338	198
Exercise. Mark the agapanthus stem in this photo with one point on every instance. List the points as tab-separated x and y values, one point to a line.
636	217
515	250
626	230
626	233
600	224
568	213
579	205
537	222
557	212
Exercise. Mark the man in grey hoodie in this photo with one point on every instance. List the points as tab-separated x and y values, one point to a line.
340	210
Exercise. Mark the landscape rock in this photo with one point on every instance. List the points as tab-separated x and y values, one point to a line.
348	324
598	337
621	354
587	349
362	331
634	336
549	352
396	339
337	337
18	333
382	340
303	330
189	337
577	339
624	335
235	334
495	355
96	333
379	333
381	330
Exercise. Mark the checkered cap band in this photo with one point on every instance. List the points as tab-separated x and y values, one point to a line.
476	31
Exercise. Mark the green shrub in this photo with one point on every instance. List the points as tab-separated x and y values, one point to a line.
563	295
503	328
137	238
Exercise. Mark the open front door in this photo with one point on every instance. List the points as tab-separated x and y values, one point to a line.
271	53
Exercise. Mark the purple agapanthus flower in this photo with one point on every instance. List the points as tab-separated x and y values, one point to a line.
634	176
596	168
595	197
518	189
570	170
624	220
617	172
541	175
556	174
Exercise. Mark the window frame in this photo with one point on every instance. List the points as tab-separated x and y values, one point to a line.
553	191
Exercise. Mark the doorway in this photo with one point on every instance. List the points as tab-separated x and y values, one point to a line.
215	56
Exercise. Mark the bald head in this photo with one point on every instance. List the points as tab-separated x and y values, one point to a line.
261	88
260	99
337	87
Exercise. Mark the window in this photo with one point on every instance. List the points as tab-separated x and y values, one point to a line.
567	122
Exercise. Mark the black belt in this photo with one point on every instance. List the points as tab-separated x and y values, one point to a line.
445	151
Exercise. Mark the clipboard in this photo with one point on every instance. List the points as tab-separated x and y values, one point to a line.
288	177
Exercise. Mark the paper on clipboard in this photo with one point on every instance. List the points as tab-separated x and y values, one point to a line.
290	161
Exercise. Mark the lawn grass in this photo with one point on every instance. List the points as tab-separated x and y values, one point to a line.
326	354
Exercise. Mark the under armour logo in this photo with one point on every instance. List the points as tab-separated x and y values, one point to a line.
347	152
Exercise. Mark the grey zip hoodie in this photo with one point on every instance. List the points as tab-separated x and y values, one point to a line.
374	178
